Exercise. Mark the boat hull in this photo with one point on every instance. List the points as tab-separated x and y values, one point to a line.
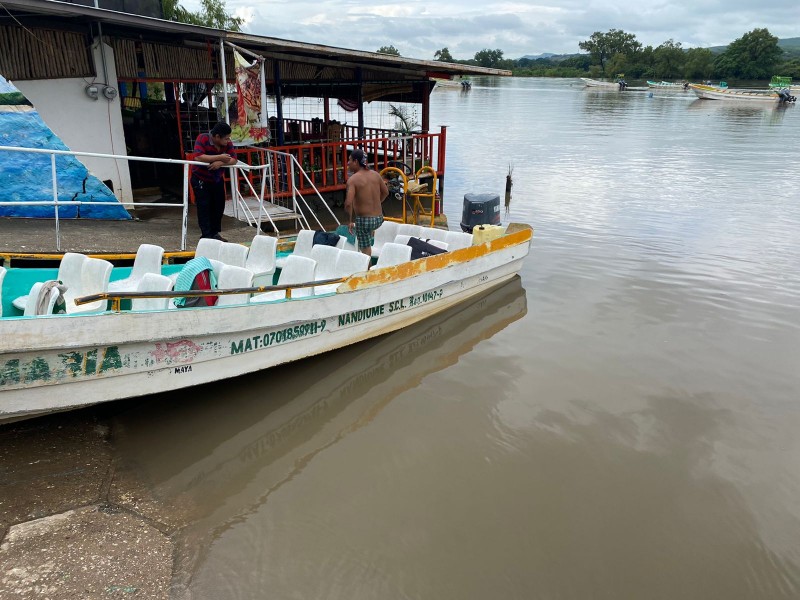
612	85
112	356
707	92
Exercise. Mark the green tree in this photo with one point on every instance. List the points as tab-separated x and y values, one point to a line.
212	13
603	46
391	50
443	55
669	59
753	56
699	64
489	58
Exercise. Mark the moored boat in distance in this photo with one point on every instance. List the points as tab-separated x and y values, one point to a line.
708	92
601	84
59	362
668	85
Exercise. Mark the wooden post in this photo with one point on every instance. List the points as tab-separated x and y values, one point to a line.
360	103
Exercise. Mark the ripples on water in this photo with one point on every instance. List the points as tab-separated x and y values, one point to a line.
624	427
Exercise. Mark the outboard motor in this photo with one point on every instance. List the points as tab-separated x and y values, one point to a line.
784	96
480	209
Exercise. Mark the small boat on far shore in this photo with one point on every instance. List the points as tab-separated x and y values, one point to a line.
668	85
601	84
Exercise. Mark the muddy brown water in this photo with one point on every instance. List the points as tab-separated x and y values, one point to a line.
619	422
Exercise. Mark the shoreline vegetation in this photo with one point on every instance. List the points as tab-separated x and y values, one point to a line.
756	56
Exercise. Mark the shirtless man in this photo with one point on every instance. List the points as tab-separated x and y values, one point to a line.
366	190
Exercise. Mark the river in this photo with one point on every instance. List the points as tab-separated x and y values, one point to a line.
620	422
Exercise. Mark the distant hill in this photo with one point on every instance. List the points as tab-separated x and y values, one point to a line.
788	44
542	55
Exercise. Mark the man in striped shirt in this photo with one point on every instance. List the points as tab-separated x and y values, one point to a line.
215	149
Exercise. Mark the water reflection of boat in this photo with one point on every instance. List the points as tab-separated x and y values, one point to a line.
233	454
226	458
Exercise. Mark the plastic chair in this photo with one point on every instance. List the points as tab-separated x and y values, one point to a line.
233	254
302	247
152	282
383	234
457	240
343	244
298	269
402	239
69	273
326	261
409	230
234	277
148	260
261	259
95	274
208	247
433	233
33	300
2	276
393	254
347	263
438	244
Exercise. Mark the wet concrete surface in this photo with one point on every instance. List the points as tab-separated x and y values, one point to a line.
153	226
74	521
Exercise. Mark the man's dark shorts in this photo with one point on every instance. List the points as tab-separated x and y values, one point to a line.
365	230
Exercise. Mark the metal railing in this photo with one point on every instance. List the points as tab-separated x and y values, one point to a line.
236	196
117	297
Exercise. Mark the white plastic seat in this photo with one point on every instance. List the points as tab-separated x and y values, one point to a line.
348	262
298	269
409	229
69	273
234	277
343	244
383	234
403	239
233	254
261	259
152	282
325	256
208	247
393	254
302	246
433	233
33	300
2	276
457	240
95	274
148	260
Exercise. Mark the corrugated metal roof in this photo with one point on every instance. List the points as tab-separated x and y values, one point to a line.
261	44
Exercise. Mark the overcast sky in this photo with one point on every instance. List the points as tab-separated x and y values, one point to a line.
417	29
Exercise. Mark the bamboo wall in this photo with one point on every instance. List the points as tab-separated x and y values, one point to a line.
35	53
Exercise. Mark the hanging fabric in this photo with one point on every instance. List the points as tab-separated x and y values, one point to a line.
249	128
348	105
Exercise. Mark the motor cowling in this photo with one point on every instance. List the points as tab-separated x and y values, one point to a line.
785	95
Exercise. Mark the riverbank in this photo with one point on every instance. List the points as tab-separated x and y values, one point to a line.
74	521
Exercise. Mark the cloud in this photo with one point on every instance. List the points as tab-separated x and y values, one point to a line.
418	28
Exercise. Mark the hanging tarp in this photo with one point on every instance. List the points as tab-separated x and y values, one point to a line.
250	126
